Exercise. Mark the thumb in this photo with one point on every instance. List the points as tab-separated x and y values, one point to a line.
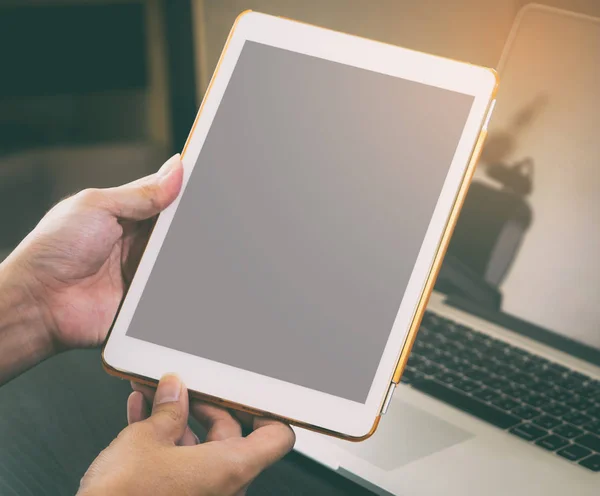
148	196
170	409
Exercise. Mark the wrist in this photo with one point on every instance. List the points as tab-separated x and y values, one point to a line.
25	339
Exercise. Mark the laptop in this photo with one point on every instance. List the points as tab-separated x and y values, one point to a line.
501	394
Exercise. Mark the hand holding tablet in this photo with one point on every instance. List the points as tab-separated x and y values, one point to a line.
323	177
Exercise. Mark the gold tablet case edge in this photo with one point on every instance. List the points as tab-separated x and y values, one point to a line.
439	257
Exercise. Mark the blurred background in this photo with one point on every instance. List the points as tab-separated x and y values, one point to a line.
99	92
95	93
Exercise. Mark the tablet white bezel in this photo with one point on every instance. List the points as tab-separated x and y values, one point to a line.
133	356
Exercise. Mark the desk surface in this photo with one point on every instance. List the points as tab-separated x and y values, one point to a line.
56	418
298	476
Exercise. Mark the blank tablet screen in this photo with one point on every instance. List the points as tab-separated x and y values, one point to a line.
296	236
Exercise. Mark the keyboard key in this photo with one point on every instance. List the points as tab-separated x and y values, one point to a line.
581	377
410	375
478	337
547	422
536	400
465	335
451	346
458	366
522	378
592	462
470	405
415	359
425	330
480	361
510	350
499	346
556	409
429	316
518	360
497	383
439	340
429	368
501	370
541	387
528	432
576	418
454	349
516	391
552	442
559	368
529	366
548	375
568	381
466	385
448	378
593	427
594	412
540	360
499	352
477	374
443	359
590	389
467	332
486	394
482	346
521	352
505	403
573	452
447	330
431	353
418	347
527	413
561	395
589	441
465	354
581	404
491	342
567	430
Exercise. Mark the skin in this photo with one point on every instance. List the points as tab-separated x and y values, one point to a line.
60	289
158	454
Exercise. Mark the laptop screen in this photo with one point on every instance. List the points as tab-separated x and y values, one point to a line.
530	226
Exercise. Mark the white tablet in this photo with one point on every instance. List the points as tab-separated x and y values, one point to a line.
323	176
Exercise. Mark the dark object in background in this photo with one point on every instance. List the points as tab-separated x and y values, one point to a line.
488	235
64	71
76	49
25	193
181	69
459	280
517	178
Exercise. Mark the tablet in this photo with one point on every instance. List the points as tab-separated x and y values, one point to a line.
323	176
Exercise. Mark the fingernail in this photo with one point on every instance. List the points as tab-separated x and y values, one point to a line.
168	166
169	389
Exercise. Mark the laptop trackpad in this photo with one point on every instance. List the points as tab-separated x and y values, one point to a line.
406	433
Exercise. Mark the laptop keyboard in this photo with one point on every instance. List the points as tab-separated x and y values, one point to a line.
540	401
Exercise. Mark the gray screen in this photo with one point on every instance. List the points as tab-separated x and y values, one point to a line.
297	233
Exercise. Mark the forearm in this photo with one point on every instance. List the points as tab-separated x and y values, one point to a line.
24	340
